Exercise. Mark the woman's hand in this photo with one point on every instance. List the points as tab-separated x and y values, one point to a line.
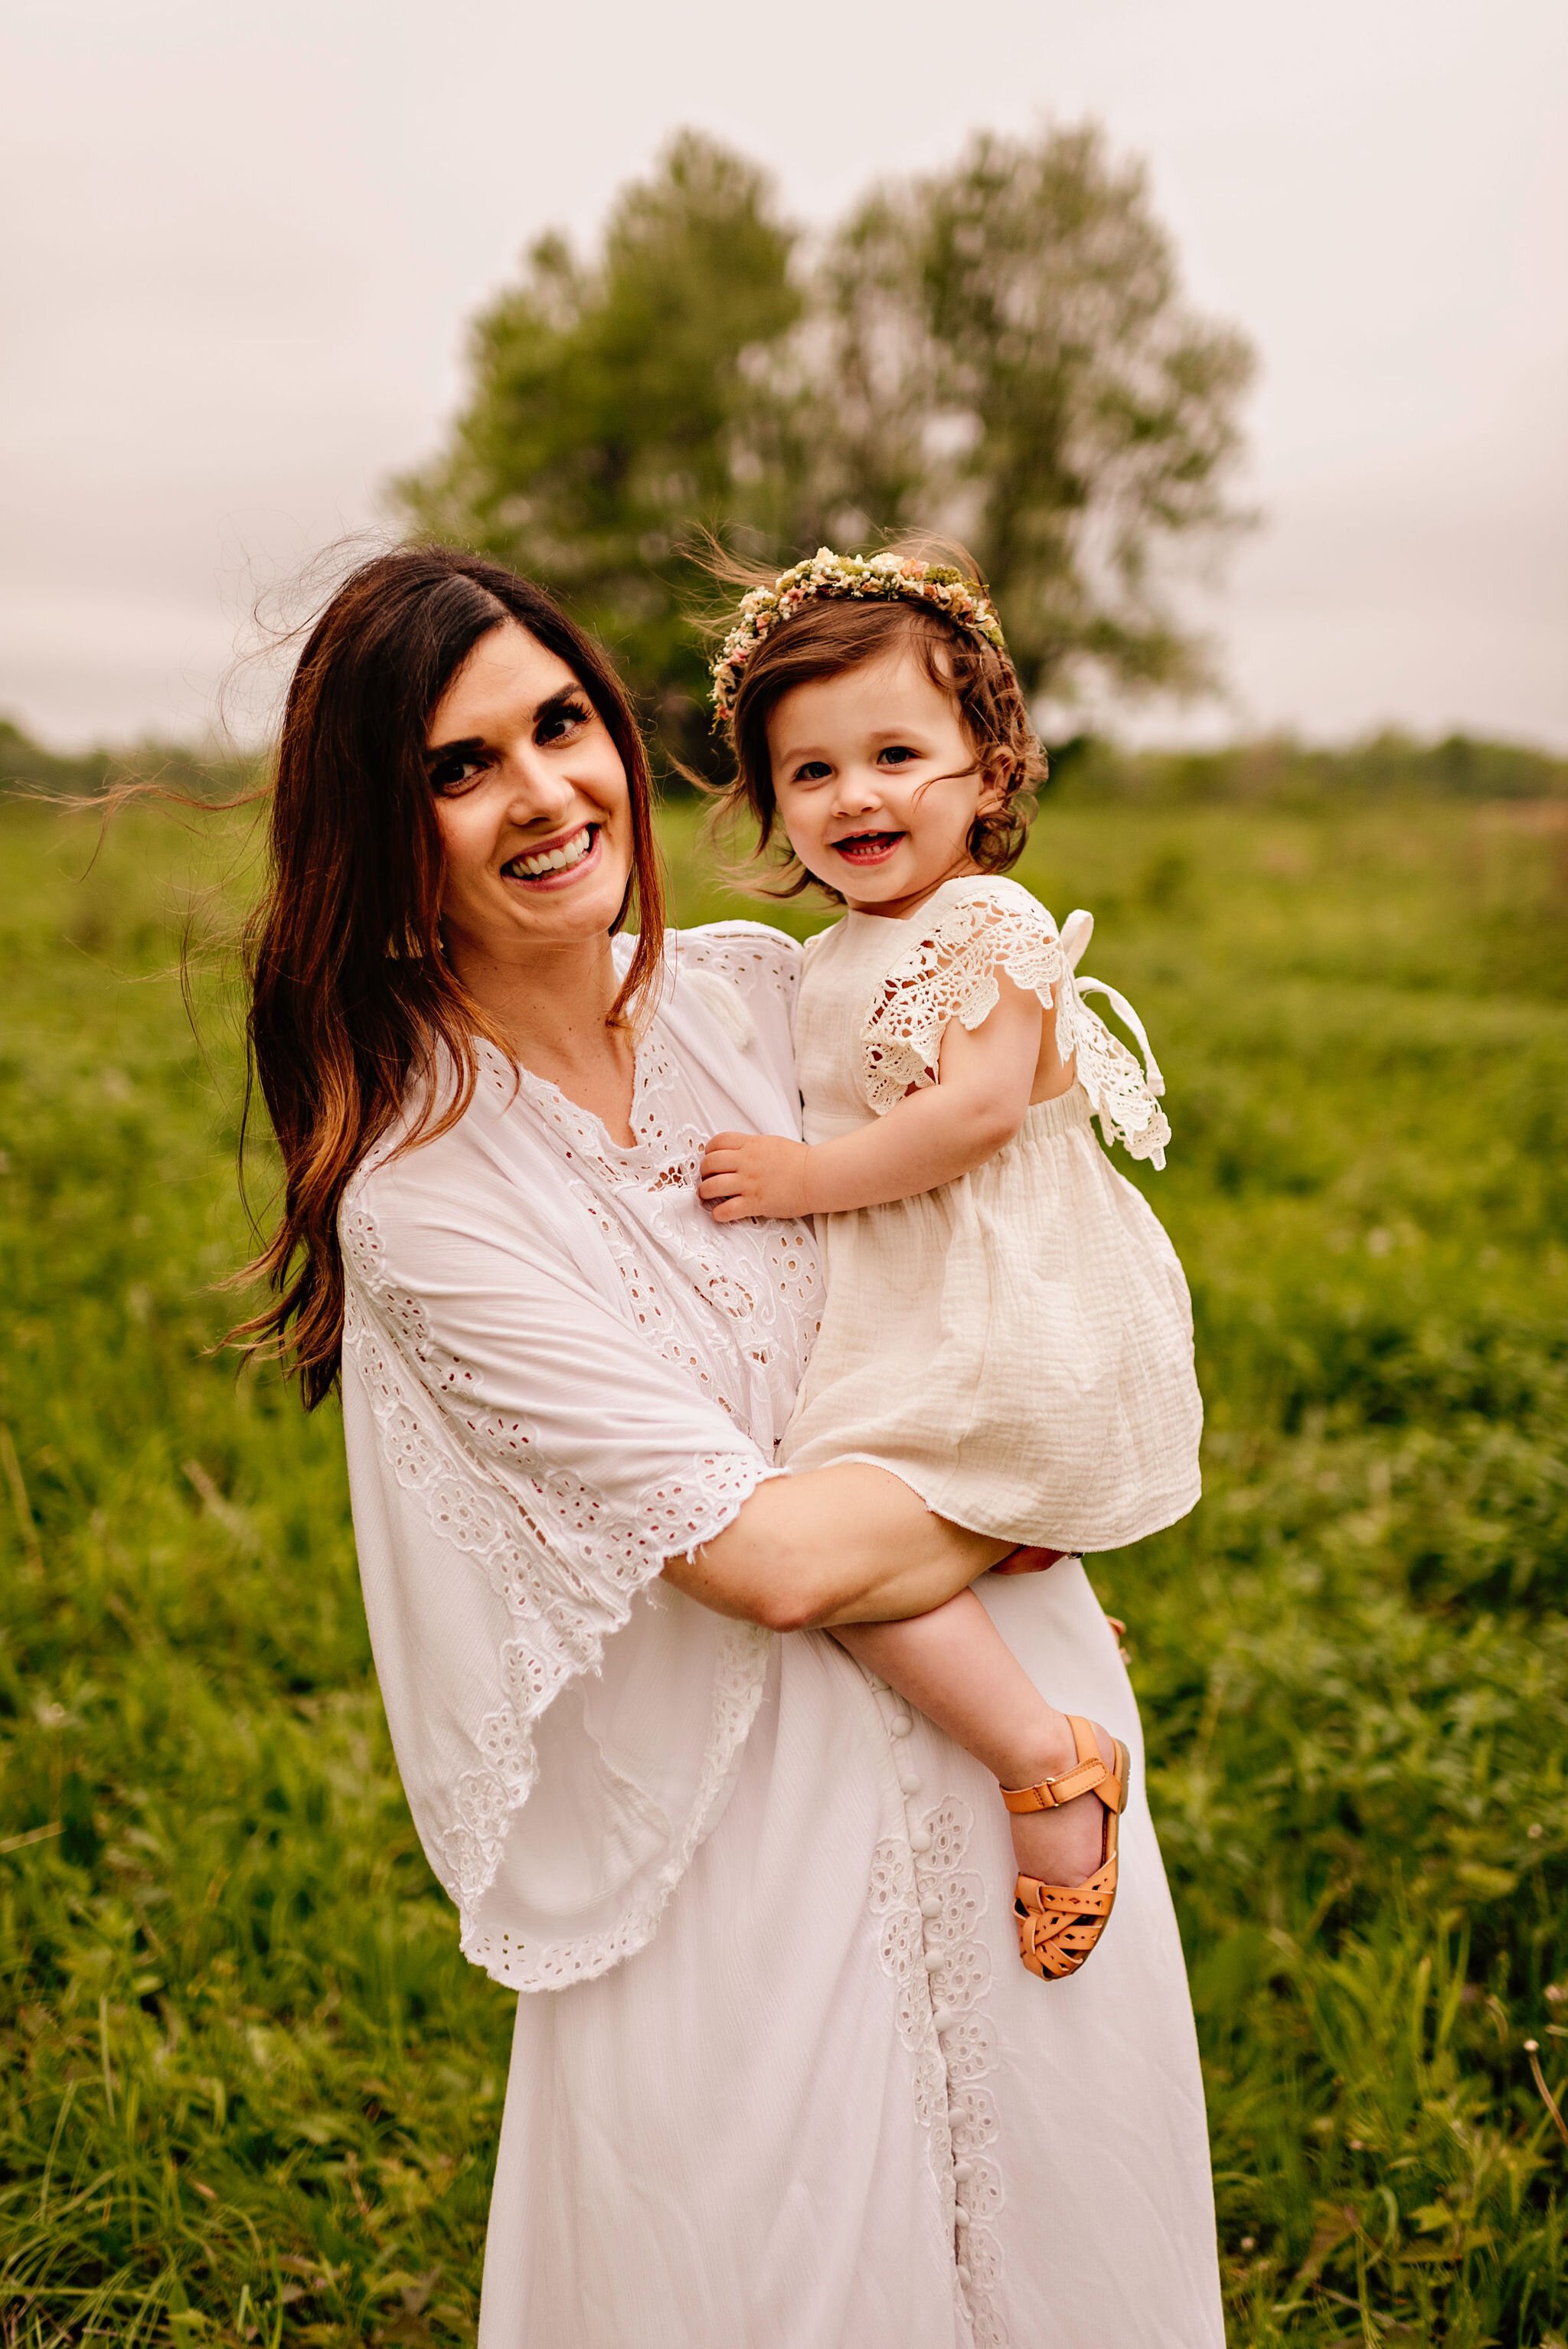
747	1174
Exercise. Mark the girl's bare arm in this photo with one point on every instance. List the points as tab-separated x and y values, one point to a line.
986	1075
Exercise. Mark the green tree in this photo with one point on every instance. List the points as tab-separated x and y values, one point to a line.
1000	352
612	406
1014	364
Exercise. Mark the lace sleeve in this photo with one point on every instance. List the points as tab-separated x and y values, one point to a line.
998	927
953	974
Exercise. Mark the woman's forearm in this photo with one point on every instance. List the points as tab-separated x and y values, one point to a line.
849	1544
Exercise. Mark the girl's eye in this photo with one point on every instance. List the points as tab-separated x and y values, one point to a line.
562	718
814	771
897	754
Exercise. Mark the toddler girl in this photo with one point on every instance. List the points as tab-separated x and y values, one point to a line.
1007	1327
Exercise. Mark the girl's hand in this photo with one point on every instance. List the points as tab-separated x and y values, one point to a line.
747	1174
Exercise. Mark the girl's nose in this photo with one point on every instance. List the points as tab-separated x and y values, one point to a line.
857	792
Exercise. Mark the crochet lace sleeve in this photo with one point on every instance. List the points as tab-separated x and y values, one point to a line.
953	974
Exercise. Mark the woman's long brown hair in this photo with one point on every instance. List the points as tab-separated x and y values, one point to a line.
353	1002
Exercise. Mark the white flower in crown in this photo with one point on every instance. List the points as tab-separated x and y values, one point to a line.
891	578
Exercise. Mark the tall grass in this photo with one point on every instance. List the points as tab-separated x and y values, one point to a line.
248	2090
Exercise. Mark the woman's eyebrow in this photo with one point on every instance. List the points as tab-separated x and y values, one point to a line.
469	743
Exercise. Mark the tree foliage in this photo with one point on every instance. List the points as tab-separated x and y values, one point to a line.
1020	369
1000	351
613	404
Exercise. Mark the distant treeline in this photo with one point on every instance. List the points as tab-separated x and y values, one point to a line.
1086	767
1278	769
26	766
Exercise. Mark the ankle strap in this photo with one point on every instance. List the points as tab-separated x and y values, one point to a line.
1090	1776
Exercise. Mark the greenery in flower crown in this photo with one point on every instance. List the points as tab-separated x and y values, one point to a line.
891	578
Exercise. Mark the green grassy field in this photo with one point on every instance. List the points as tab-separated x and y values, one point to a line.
248	2089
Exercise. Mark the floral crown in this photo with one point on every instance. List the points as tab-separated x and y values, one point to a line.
889	578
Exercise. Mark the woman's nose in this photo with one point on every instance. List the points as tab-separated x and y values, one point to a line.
536	788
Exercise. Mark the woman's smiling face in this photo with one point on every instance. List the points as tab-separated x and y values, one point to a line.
876	781
532	802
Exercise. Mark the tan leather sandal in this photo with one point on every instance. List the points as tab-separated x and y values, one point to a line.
1058	1924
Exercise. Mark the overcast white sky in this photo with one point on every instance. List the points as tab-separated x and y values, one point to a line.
242	243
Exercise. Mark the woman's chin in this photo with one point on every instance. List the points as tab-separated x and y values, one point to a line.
581	903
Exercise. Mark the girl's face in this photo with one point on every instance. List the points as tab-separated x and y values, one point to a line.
877	783
532	802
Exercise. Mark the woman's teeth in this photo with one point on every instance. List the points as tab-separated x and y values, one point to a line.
554	860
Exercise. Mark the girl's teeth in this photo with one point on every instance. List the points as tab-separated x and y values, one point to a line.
556	860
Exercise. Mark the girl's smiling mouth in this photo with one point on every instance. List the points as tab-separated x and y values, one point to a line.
558	863
867	847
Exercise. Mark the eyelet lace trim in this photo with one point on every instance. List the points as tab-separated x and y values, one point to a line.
599	1558
952	973
729	948
943	1969
739	1671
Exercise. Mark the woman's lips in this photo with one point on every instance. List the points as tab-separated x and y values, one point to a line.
567	861
867	847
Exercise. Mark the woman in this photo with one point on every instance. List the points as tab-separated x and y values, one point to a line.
778	2077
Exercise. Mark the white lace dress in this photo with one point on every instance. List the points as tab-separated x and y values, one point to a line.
1018	1345
778	2080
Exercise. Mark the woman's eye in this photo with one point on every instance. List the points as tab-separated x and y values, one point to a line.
452	775
560	721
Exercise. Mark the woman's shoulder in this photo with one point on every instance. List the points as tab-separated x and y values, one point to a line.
749	955
745	975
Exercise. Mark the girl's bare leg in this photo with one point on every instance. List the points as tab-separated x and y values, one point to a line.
954	1666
